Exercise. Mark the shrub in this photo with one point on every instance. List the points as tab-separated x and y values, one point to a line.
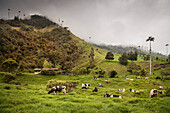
143	72
135	72
48	72
112	73
132	66
7	87
15	82
100	71
168	92
19	74
69	84
26	28
123	59
84	70
8	77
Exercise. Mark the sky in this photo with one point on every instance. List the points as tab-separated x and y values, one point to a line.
115	22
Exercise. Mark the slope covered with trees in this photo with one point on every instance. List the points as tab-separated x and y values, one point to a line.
24	41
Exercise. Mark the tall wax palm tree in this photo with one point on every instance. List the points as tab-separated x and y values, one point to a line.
8	13
151	38
167	49
19	13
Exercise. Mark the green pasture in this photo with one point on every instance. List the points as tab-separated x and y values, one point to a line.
31	96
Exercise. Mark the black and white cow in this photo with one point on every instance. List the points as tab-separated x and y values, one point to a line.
161	92
160	87
56	89
131	90
107	82
110	95
121	90
85	86
100	85
95	89
153	93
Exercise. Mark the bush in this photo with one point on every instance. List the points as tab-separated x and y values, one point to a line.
69	84
19	74
8	77
132	66
48	72
26	28
112	73
84	70
135	72
7	87
15	82
100	71
168	92
123	59
143	72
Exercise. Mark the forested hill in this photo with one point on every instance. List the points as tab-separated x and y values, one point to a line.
120	49
32	41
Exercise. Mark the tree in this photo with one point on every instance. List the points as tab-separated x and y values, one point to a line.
10	65
132	66
132	55
112	73
165	72
109	56
47	64
8	13
123	59
143	72
151	38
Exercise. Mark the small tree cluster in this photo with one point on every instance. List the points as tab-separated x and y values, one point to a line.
109	56
123	59
9	65
146	57
132	55
112	73
132	66
99	71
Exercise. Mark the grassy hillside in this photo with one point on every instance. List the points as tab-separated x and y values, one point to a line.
31	96
32	41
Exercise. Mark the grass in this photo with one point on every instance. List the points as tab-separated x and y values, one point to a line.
33	97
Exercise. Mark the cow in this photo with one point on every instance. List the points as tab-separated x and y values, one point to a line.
131	90
56	89
110	95
161	92
153	93
121	90
138	77
107	82
100	76
95	89
100	85
160	87
85	86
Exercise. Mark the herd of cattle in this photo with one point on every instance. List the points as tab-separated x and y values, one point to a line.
153	92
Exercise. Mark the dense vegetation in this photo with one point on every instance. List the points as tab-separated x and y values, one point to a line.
30	47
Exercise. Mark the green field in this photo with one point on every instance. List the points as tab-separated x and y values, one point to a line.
31	96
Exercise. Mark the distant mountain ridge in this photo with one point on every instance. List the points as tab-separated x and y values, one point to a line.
120	49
